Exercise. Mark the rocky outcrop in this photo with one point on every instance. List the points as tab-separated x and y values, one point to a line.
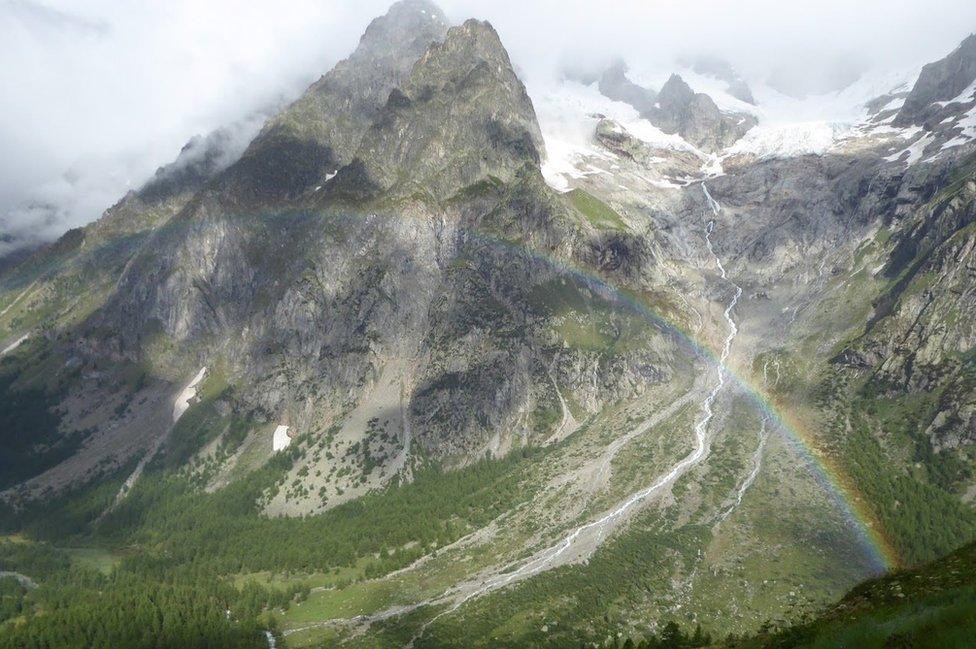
922	334
614	84
940	82
669	162
696	118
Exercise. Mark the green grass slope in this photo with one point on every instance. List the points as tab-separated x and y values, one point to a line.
930	606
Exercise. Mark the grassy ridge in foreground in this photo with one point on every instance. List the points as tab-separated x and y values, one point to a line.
930	606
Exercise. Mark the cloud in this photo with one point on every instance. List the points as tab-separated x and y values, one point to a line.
98	93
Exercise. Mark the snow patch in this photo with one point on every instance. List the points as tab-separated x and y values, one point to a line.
894	104
968	125
663	183
962	98
280	439
914	150
187	395
712	168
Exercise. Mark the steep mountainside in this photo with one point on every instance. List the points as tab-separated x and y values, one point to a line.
321	131
939	85
375	381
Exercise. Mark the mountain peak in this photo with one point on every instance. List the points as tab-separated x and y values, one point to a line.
718	68
615	84
696	117
407	24
462	116
321	131
473	41
675	93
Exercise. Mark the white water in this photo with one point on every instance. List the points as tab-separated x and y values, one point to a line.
757	458
14	345
549	555
272	643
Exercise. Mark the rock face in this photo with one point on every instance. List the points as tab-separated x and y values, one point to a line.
941	81
917	336
461	118
696	118
322	130
922	331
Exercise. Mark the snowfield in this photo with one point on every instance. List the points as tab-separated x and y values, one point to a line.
914	150
569	111
280	439
789	140
184	398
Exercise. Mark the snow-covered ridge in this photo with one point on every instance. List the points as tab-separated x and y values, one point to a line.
568	112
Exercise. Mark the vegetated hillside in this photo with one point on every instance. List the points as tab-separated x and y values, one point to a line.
933	605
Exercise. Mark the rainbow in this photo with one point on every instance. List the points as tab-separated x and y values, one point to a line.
827	472
839	486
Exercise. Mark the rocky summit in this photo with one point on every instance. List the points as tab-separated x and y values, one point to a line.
428	357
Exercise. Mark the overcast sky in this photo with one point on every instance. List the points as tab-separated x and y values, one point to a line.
98	93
